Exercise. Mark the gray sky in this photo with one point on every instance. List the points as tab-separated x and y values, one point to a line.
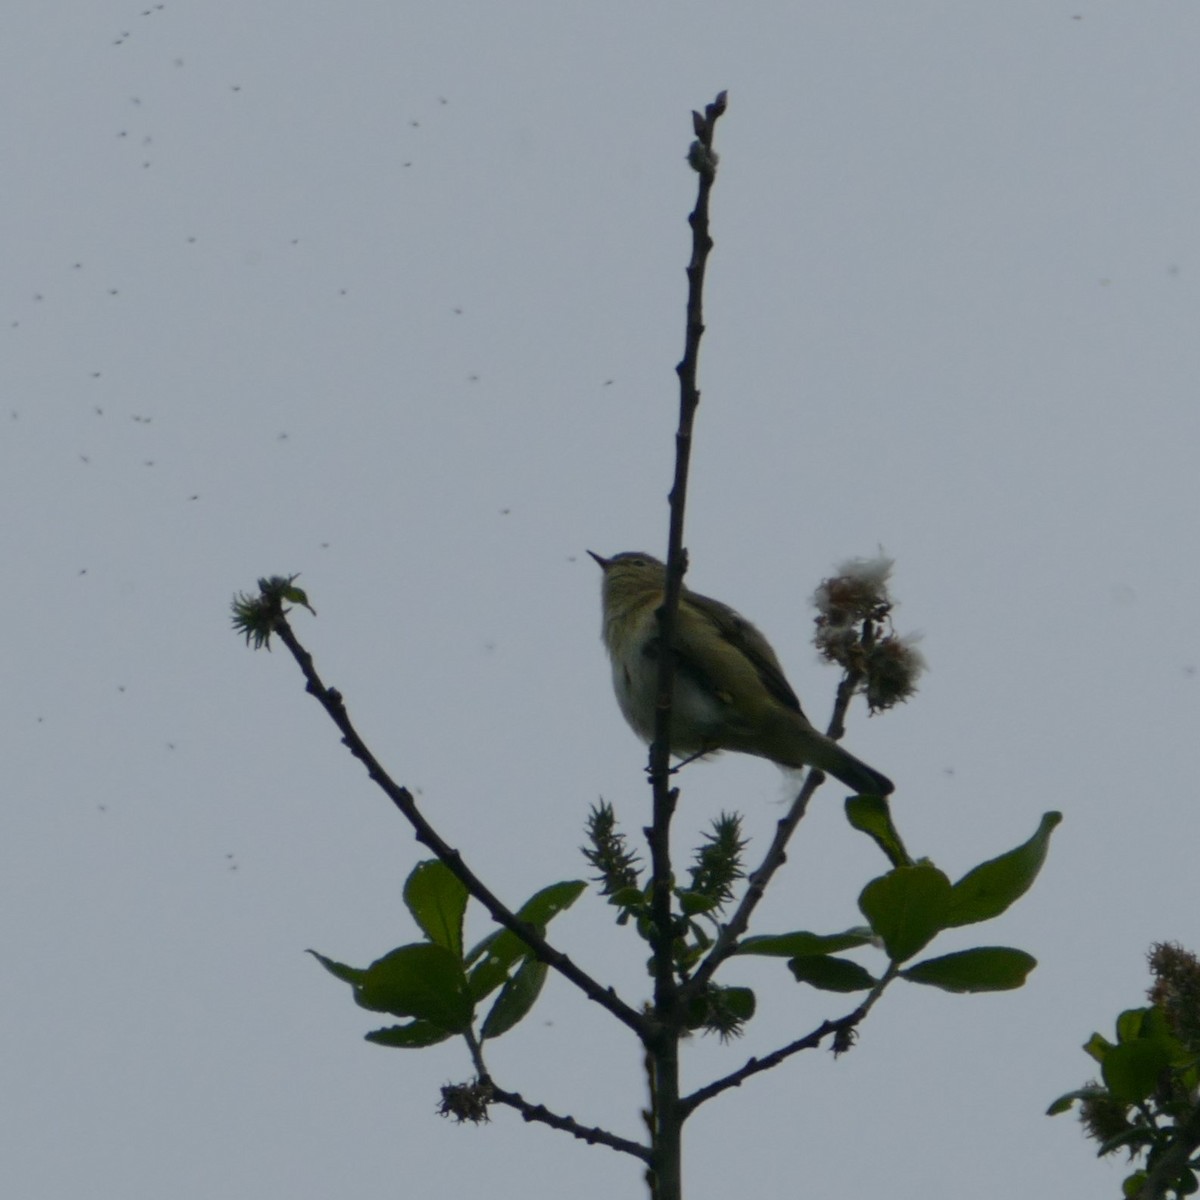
391	295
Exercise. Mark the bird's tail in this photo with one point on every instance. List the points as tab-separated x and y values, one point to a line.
829	757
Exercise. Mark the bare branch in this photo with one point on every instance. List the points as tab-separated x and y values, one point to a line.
663	1049
586	1133
591	1134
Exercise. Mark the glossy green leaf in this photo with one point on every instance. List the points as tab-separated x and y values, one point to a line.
831	974
437	900
413	1036
907	907
516	998
801	943
984	969
991	887
872	815
421	980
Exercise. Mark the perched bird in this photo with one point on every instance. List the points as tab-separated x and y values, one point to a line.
730	692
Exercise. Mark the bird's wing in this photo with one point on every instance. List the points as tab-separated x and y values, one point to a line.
745	638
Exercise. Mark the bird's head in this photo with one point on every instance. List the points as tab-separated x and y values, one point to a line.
629	577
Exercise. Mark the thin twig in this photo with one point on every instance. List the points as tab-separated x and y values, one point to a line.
331	700
689	399
756	885
842	1025
663	1046
586	1133
591	1134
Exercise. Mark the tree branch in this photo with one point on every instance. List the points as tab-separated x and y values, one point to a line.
586	1133
840	1028
704	161
757	881
331	700
591	1134
663	1046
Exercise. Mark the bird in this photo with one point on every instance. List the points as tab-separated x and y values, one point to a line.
730	692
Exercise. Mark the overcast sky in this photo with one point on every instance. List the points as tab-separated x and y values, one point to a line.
391	295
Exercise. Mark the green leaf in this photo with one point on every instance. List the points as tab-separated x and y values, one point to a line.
481	947
351	975
1063	1103
421	980
801	943
437	900
1098	1047
1130	1024
872	816
515	1000
1132	1069
542	907
295	595
503	949
991	887
832	974
984	969
907	908
413	1036
1154	1023
693	903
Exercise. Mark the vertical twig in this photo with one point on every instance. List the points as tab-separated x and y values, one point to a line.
663	1045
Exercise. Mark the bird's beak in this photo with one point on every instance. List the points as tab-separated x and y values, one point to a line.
604	562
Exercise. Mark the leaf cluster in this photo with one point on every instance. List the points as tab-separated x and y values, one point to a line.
256	616
1147	1100
437	983
904	910
907	908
